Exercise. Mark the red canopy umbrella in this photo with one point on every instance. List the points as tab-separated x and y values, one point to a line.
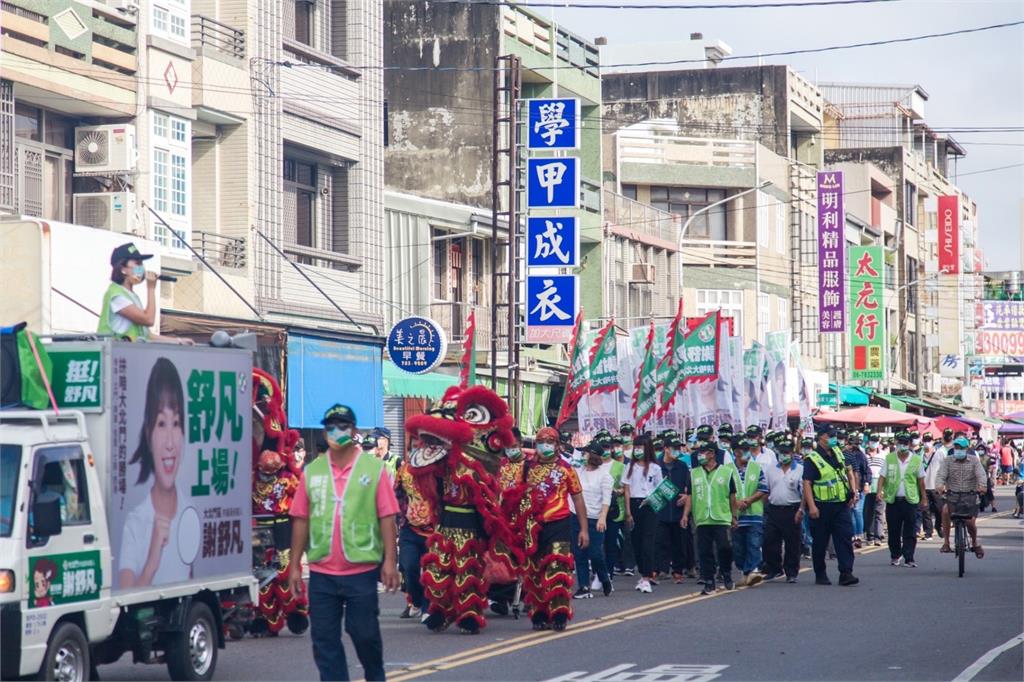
872	414
940	424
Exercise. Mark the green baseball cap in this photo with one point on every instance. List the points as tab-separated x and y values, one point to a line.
339	414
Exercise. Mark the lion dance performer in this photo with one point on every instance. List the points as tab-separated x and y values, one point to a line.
454	461
543	521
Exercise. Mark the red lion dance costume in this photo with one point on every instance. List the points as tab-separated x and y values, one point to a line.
454	461
275	478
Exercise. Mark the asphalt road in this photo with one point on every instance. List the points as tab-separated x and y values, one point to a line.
898	624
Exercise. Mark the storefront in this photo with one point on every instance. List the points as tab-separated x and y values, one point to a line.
323	370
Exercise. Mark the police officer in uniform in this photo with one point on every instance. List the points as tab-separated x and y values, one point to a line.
830	491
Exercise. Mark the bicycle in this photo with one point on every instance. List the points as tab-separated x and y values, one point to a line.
960	534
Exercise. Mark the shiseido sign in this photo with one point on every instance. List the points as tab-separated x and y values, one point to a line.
949	234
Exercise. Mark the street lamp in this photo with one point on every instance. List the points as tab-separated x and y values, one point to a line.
686	225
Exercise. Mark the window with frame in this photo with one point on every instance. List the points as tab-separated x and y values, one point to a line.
780	226
440	264
60	471
909	203
729	301
687	201
629	191
782	312
763	315
171	170
170	18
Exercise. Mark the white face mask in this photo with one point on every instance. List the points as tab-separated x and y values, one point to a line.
340	436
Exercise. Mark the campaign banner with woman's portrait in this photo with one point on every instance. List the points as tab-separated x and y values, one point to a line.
181	463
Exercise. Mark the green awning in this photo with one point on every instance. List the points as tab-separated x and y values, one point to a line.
533	405
405	385
895	403
936	407
851	395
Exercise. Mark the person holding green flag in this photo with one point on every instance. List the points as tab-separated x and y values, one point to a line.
613	538
713	503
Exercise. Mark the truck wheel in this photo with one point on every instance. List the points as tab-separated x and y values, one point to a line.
192	655
67	655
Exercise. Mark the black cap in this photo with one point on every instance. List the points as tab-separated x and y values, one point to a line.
947	433
755	431
381	431
704	431
675	441
127	251
594	448
705	446
725	429
807	443
369	442
927	438
564	436
826	430
903	437
785	446
339	414
855	437
626	428
840	432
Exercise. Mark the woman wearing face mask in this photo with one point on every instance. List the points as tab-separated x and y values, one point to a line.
643	475
874	504
596	482
122	313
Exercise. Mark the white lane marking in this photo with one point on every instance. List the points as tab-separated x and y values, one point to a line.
669	672
992	654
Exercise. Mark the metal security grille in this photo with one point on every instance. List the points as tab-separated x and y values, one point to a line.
7	193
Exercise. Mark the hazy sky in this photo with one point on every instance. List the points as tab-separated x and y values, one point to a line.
973	80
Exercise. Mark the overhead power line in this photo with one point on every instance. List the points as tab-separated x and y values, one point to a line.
647	5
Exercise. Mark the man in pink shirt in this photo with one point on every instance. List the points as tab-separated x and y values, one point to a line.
343	517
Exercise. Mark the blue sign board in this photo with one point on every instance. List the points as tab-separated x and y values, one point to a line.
552	123
553	183
324	371
417	344
551	300
553	241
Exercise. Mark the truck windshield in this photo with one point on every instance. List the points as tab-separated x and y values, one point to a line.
10	463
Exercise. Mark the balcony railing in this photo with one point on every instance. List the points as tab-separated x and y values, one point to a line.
218	249
660	148
714	253
207	32
626	214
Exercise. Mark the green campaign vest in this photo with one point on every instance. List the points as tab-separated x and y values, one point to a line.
748	486
831	485
361	541
892	478
135	331
616	472
711	496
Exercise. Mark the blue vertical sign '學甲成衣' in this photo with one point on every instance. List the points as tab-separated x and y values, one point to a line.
553	183
552	123
552	241
550	300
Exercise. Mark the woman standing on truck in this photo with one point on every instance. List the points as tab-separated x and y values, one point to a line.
153	524
123	314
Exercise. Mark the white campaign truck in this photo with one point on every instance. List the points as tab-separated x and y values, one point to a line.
125	518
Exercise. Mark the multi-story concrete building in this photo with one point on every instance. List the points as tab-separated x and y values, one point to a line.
440	143
249	132
725	158
884	125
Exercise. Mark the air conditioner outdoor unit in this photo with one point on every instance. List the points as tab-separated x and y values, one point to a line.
643	273
105	148
114	211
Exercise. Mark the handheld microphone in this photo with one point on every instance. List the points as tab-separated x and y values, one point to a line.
167	278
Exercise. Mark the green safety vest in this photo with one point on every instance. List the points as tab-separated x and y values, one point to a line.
748	486
892	478
135	331
832	485
711	496
361	541
616	471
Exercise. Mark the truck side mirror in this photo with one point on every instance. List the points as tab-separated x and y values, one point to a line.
46	514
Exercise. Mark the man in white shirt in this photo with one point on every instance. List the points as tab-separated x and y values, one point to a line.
932	459
783	514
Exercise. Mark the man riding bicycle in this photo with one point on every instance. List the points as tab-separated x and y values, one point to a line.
961	479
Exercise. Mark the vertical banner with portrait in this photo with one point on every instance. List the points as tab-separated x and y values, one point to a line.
181	449
777	347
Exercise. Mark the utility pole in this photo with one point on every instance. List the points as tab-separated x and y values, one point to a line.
505	173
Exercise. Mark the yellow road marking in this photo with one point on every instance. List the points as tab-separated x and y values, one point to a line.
531	639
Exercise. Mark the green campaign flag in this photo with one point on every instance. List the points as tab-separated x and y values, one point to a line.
867	312
700	349
604	366
576	385
753	362
662	496
645	393
672	363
